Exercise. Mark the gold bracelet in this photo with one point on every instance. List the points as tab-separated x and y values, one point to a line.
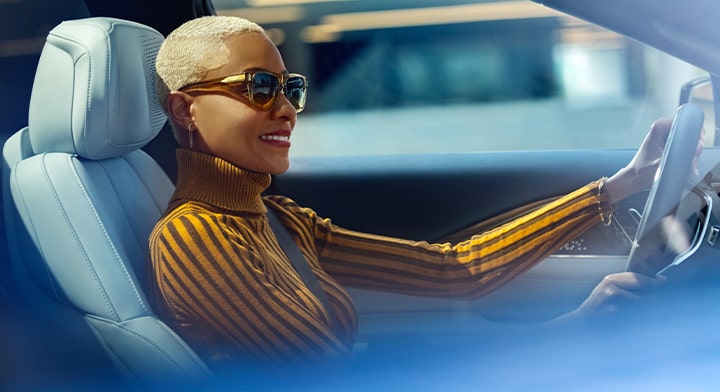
606	220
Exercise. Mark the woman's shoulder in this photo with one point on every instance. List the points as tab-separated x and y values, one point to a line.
279	201
188	208
287	205
184	213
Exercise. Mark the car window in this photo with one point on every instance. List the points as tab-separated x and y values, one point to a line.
459	76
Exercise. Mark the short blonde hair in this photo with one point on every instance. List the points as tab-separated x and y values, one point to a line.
194	48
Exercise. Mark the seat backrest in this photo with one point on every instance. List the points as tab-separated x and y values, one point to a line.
85	197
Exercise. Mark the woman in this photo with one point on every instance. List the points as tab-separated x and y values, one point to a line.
219	276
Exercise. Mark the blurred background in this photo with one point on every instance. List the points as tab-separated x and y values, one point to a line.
421	76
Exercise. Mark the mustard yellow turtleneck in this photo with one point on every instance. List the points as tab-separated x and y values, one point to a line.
220	279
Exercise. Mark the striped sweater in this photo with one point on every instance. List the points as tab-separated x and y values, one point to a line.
220	279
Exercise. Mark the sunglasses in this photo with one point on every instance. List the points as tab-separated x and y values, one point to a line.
260	88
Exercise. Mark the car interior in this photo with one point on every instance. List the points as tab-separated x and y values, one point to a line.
90	233
89	172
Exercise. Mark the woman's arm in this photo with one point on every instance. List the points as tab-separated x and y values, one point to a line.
471	268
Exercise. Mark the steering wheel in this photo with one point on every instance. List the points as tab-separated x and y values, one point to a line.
667	190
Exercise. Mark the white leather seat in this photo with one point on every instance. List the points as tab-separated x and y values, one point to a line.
85	197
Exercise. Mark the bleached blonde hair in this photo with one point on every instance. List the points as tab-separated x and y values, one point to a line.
193	49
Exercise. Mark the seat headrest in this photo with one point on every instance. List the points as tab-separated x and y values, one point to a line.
94	89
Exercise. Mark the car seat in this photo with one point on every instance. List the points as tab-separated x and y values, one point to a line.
85	198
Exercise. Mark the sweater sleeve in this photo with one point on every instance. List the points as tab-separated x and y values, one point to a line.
218	284
468	269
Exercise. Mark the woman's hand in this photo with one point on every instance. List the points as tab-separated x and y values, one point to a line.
640	173
613	293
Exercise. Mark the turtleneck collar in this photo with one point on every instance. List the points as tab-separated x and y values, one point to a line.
212	180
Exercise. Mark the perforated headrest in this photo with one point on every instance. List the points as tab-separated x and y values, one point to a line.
93	93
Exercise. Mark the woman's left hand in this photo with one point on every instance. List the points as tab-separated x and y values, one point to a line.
640	173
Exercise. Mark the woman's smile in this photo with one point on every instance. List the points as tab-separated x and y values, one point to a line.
278	138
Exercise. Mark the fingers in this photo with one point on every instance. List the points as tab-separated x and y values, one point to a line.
633	282
625	285
698	152
628	287
645	162
618	299
616	291
660	129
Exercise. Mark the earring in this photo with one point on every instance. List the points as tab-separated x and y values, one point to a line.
191	129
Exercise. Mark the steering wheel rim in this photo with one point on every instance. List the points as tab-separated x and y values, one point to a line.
667	189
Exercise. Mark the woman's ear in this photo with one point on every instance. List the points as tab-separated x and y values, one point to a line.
178	104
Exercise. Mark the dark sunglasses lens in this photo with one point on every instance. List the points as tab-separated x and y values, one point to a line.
264	88
295	91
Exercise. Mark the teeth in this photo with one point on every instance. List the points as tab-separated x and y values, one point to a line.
275	137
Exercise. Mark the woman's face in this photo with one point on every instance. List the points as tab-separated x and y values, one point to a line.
233	130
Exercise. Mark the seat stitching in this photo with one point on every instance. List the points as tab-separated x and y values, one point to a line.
34	234
72	231
109	240
117	192
131	161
